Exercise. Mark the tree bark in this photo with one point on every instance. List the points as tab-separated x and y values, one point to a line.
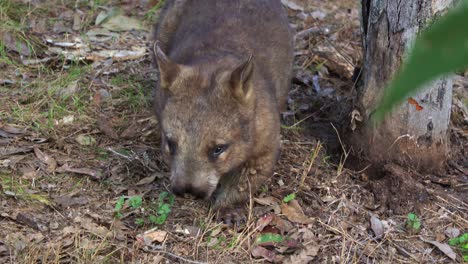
409	135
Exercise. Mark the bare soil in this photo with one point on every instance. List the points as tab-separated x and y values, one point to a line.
77	133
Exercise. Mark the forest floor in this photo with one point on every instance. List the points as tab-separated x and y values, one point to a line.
82	181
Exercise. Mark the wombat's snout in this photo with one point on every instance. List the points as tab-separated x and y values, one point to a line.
181	190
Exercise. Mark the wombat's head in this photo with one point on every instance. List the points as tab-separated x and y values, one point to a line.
207	122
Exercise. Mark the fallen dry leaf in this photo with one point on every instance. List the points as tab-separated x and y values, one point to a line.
445	248
85	140
305	255
96	175
452	232
282	225
151	236
106	127
291	5
146	180
67	201
266	200
377	227
294	215
92	227
122	23
264	221
46	159
261	252
130	132
13	129
31	221
7	150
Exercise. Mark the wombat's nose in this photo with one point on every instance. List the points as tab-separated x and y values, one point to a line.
178	190
181	190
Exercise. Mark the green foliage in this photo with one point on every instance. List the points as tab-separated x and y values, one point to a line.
289	197
413	224
118	206
157	215
135	202
462	243
267	238
139	221
439	50
165	202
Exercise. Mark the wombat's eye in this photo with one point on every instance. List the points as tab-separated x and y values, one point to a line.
218	150
172	146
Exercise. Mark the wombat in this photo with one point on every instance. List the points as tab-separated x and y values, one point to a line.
224	74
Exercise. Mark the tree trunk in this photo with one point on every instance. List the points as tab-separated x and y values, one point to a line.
415	133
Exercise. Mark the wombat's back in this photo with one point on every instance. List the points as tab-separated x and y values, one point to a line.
192	29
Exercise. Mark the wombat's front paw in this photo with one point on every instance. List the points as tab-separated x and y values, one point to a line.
231	216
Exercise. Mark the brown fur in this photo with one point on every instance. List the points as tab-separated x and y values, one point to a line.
224	73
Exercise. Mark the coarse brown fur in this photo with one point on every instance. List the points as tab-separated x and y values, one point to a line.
224	74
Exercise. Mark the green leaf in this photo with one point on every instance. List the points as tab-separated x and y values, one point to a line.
135	202
153	219
268	238
119	204
439	50
413	224
289	197
139	221
118	215
164	209
161	219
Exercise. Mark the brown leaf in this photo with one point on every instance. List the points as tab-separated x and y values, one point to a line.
67	201
266	200
282	225
28	172
96	175
15	43
7	151
106	127
12	129
130	132
31	221
445	248
92	227
151	236
146	180
264	221
261	252
377	227
46	159
294	214
305	255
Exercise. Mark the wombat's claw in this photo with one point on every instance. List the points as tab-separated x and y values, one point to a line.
231	216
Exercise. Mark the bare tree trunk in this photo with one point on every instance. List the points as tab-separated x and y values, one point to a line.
414	135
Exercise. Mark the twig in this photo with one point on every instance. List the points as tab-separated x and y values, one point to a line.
120	154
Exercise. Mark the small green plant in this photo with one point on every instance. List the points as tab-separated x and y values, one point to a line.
118	206
139	221
461	242
157	216
135	202
413	224
165	202
289	197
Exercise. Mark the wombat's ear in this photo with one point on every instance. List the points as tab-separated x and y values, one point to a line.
168	70
241	82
